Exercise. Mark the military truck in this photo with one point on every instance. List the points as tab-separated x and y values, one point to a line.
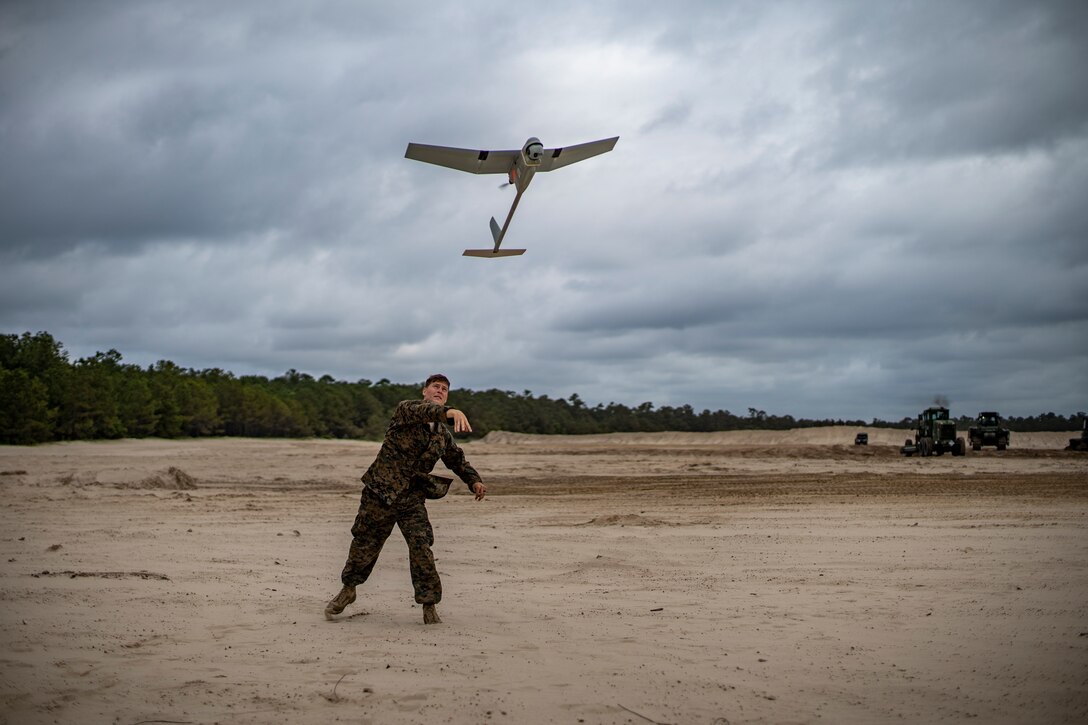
1080	444
935	435
987	431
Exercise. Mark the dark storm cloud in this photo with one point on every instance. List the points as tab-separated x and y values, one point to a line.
807	200
194	129
939	79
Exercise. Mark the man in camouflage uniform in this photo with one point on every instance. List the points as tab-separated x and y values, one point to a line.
396	486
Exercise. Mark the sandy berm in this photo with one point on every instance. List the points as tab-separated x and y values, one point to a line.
749	577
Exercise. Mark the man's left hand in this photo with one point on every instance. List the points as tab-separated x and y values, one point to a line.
460	421
480	490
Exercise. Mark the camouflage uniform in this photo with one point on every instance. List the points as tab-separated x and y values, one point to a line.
393	494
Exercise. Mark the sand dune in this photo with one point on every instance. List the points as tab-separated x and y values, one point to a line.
821	436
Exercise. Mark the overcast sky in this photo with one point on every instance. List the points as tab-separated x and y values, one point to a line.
824	209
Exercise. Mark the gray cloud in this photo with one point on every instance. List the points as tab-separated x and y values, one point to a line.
823	209
954	78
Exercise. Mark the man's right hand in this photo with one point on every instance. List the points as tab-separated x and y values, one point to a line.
460	422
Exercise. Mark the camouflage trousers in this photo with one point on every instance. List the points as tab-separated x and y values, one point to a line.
372	527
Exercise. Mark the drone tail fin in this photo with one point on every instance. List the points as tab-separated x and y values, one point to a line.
496	232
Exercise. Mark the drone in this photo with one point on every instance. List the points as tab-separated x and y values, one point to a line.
520	165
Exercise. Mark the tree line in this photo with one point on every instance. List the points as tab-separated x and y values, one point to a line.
46	397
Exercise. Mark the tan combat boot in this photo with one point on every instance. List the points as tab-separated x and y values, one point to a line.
430	616
341	600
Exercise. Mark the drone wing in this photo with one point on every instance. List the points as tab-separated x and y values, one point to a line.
564	156
472	161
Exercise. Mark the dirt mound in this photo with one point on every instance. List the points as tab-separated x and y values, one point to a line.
828	435
172	479
78	479
623	520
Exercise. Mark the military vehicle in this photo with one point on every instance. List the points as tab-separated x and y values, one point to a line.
987	431
861	439
935	435
1079	444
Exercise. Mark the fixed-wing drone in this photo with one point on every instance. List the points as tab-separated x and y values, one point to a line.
519	165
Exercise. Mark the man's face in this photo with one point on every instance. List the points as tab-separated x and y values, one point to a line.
436	392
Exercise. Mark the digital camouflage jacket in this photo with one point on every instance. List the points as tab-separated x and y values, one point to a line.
411	447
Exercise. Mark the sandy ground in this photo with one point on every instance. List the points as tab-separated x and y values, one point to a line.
755	577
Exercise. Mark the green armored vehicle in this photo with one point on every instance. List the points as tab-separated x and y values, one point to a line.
935	435
987	431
